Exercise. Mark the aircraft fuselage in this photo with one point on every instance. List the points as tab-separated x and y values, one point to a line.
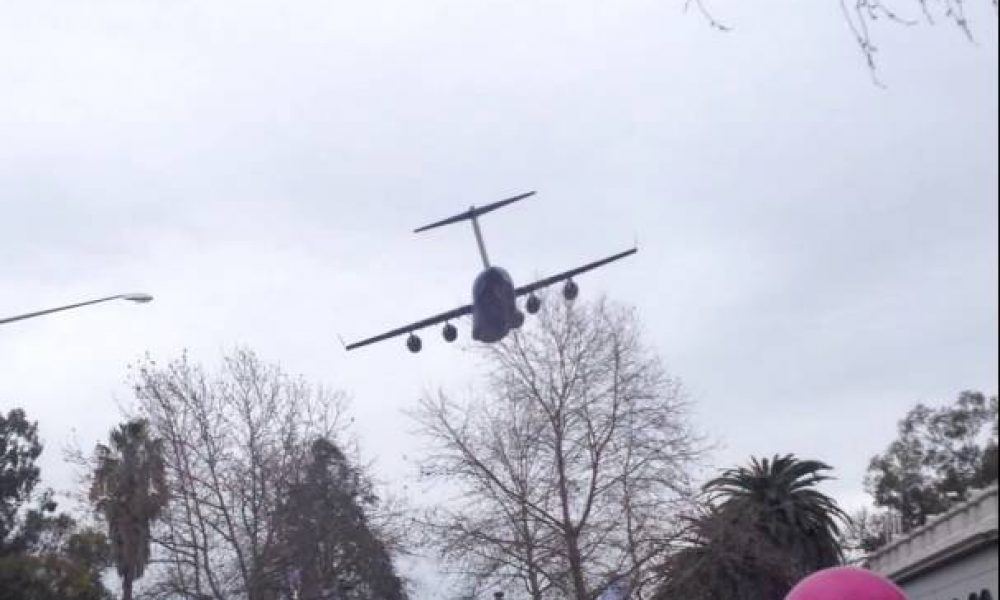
494	308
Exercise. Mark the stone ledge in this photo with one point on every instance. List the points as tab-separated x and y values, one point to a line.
962	529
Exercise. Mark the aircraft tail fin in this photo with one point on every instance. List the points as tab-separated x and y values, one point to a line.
474	212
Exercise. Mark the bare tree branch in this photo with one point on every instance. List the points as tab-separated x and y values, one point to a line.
568	471
236	446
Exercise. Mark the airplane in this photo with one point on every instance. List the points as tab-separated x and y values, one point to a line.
494	298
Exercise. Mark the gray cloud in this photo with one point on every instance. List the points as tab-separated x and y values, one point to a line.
817	253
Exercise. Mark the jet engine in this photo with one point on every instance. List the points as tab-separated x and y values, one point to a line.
533	304
413	343
449	332
570	290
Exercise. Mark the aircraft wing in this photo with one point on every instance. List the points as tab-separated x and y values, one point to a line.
445	316
541	283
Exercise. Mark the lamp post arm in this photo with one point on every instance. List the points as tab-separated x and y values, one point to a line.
57	309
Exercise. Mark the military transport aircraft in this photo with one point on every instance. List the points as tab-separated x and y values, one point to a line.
494	306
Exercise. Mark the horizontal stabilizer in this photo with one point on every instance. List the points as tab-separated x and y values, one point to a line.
474	212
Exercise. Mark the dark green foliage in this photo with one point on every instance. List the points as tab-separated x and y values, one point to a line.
46	577
726	560
90	550
778	496
41	529
43	554
938	456
763	528
66	565
19	449
28	521
325	536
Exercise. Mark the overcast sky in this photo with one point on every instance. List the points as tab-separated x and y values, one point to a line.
817	253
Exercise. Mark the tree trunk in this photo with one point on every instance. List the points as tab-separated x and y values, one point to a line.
576	566
127	586
571	534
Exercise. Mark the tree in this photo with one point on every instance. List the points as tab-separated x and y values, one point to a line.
43	554
722	558
569	467
863	17
237	446
129	491
778	497
46	577
938	456
866	531
325	537
19	449
69	567
764	527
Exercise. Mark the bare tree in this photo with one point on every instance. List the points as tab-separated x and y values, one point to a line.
862	16
866	531
568	470
235	445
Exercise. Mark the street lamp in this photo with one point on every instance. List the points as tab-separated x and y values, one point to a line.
137	298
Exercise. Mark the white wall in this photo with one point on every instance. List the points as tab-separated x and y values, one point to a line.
957	580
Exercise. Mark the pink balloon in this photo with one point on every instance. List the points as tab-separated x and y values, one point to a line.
845	583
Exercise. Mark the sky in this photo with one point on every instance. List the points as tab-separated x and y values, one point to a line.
817	252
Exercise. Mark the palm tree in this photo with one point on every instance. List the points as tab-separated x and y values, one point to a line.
723	559
129	490
778	497
762	528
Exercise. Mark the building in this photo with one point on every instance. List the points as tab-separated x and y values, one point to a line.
952	557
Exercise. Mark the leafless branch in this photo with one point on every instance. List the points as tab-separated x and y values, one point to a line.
568	470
